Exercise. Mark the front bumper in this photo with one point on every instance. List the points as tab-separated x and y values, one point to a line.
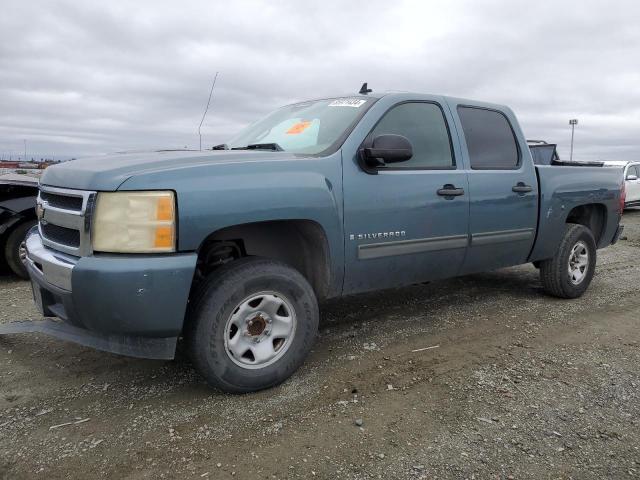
126	304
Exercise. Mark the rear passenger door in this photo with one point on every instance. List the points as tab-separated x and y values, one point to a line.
503	189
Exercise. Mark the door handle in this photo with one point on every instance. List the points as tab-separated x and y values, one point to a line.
449	190
521	188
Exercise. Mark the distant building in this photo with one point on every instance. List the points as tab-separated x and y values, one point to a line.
7	164
27	165
44	164
33	168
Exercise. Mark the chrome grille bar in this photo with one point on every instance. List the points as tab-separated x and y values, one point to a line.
70	212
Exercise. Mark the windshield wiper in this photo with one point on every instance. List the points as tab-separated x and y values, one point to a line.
261	146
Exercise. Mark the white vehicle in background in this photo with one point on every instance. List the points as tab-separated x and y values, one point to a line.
631	175
632	184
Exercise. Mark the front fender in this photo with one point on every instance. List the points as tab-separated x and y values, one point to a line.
212	197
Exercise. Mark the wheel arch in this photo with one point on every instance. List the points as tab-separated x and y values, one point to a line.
300	243
591	215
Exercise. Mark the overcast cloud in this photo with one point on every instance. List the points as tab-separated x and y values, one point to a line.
85	77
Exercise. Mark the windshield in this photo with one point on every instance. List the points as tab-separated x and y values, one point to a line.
306	128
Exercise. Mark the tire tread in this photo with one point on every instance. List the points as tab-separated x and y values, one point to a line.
224	277
553	270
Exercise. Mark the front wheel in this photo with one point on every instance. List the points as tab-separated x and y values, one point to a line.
569	273
251	324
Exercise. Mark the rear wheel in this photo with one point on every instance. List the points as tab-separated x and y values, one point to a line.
251	324
569	273
15	250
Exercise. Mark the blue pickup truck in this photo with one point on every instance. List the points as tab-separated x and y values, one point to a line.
231	248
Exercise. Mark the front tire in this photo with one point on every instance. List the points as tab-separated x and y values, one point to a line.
15	250
569	273
251	324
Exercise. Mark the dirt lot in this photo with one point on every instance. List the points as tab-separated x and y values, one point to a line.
520	386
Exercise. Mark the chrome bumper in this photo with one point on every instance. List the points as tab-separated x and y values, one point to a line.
49	265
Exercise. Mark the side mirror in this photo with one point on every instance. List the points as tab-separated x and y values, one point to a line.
632	177
388	149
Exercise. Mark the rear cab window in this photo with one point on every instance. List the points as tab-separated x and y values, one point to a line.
490	139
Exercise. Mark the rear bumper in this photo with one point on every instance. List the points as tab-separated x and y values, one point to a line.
117	301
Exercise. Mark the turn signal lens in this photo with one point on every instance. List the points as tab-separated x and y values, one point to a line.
164	237
164	210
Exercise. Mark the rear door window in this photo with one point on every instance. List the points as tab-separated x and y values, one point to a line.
490	140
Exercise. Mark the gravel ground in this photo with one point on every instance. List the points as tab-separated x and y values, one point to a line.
517	385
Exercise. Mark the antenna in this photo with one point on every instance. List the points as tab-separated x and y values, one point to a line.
364	90
206	109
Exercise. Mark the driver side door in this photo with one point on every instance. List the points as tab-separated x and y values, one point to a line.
401	227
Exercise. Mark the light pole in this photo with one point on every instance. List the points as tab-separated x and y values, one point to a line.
573	122
25	150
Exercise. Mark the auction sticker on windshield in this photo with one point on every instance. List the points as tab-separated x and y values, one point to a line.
299	127
348	102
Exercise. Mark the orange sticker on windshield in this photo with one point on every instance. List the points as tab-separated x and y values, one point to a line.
299	127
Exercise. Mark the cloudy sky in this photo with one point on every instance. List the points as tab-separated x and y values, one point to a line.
85	77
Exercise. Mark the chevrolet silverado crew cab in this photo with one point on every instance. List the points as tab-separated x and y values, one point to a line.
232	248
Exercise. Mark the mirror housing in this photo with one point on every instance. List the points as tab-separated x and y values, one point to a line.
632	177
387	149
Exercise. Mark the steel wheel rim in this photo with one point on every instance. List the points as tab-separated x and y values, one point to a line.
260	330
578	264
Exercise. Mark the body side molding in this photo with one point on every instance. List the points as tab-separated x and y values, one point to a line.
501	236
403	247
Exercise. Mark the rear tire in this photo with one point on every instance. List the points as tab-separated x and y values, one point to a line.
251	324
569	273
14	249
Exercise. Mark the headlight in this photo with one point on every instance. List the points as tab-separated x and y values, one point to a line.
134	222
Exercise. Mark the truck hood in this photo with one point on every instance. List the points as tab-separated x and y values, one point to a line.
108	172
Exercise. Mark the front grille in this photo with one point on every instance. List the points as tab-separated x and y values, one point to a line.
61	235
65	219
62	201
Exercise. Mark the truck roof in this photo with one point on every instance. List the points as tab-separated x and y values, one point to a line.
401	94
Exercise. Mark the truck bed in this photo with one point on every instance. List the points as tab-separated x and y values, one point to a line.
561	189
